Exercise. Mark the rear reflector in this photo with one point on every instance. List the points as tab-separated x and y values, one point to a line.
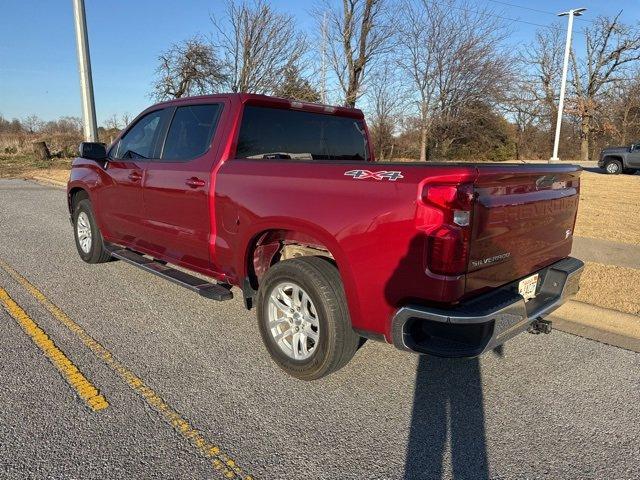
448	251
461	217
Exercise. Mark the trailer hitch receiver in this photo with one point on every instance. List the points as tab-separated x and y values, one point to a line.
540	326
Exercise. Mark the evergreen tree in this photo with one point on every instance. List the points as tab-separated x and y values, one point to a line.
295	87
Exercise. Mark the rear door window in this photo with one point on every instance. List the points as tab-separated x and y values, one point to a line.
141	140
190	132
290	134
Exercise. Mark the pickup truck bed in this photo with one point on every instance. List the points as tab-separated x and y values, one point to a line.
447	259
379	232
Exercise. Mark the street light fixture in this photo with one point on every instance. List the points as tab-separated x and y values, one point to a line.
576	12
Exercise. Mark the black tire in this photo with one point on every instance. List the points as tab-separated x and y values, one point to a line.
97	253
613	167
337	342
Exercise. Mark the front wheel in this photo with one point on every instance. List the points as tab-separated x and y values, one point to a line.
613	167
304	319
88	238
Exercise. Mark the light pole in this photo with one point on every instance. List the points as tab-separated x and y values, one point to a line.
84	68
576	12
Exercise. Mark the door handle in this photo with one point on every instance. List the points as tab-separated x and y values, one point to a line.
135	176
195	182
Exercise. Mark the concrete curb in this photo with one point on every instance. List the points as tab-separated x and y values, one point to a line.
600	324
48	181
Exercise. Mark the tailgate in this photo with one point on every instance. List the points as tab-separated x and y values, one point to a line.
523	220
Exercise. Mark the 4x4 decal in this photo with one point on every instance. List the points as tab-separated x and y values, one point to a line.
391	175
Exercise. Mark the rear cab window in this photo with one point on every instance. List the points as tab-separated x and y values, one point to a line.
190	132
275	133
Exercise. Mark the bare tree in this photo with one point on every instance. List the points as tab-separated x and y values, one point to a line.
621	111
452	55
187	68
258	45
628	110
531	101
10	127
475	75
112	123
126	119
384	106
32	123
63	125
542	60
357	33
524	108
611	48
419	38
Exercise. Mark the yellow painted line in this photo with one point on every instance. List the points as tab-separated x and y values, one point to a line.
83	387
220	461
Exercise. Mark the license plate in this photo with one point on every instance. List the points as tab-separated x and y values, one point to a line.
527	287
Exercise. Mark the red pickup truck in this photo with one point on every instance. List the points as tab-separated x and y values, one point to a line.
284	200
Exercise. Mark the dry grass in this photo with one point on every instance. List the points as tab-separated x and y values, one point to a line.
611	286
62	144
57	174
23	165
609	207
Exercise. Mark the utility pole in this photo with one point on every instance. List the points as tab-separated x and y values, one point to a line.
563	84
323	67
84	68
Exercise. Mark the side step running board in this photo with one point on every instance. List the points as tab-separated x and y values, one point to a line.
204	288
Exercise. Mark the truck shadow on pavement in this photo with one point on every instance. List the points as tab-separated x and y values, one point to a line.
448	411
447	421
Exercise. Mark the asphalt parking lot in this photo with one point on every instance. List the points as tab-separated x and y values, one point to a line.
192	393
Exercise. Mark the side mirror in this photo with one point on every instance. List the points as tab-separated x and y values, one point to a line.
93	151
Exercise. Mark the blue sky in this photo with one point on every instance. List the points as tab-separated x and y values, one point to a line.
38	65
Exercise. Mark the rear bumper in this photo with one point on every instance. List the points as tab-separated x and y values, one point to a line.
483	323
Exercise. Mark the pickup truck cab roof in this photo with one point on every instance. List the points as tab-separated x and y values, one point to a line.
265	100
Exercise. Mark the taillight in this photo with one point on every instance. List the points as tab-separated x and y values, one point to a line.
448	228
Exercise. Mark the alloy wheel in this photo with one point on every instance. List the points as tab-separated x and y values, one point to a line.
293	321
83	231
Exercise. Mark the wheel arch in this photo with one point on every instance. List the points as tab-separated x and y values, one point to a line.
617	158
270	246
74	195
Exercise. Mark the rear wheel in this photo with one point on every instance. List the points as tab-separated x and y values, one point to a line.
88	238
613	167
304	319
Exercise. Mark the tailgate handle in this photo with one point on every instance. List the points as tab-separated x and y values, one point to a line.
195	182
